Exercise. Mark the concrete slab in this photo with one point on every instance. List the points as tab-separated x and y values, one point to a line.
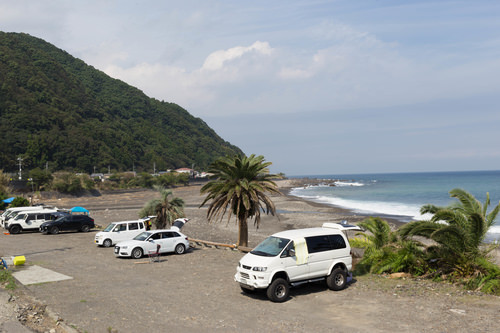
36	274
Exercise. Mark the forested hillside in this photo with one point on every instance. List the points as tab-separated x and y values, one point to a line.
55	108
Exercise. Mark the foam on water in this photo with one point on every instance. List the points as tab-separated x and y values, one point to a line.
402	195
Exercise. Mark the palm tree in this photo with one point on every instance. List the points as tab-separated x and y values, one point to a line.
459	230
240	184
385	251
165	209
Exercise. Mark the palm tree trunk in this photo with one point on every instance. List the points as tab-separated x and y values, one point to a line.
242	232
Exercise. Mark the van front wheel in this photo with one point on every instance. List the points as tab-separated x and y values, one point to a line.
278	290
337	279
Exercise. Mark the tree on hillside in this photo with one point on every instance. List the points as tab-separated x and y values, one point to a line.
166	209
239	185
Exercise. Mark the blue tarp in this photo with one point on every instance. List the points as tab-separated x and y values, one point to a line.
78	209
9	200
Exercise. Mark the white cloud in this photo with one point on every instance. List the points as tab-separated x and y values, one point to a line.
216	60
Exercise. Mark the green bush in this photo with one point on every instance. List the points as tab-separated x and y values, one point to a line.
19	202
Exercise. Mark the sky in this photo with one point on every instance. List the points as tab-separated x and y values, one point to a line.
316	87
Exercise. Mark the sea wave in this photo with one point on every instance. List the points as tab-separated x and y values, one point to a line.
341	183
403	212
411	212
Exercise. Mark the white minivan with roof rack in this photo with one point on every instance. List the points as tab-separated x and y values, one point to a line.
12	212
293	257
32	220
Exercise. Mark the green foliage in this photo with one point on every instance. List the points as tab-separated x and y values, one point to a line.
19	202
239	185
459	229
4	182
458	254
7	280
385	252
3	205
166	209
86	120
68	182
40	178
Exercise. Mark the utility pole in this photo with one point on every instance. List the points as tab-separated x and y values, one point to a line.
20	169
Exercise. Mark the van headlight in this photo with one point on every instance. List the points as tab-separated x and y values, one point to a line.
259	269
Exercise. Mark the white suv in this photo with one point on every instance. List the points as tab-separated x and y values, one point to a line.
293	257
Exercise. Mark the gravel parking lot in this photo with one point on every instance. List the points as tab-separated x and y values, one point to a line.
195	291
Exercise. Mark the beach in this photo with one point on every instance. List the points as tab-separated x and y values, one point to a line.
196	291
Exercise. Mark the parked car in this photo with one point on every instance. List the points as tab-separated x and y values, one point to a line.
120	231
169	241
32	220
294	257
13	212
68	223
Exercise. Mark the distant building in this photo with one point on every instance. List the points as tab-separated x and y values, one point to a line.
185	170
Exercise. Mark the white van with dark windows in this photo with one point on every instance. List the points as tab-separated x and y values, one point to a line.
120	231
293	257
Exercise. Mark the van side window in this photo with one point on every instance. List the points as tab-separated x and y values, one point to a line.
133	226
318	244
123	227
141	225
31	218
337	241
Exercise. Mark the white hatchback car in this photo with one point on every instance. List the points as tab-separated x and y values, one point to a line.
168	239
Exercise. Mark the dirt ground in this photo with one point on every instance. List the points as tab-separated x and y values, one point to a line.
196	292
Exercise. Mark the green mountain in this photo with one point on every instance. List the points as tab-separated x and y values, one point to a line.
56	109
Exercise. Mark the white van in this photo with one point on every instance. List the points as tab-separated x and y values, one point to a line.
32	220
120	231
292	257
12	212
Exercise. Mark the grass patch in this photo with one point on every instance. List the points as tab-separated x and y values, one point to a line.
7	280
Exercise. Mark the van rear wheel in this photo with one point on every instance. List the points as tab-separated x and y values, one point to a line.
278	291
337	279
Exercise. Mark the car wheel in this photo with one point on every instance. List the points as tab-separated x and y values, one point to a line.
15	229
137	253
54	230
278	290
107	242
85	228
180	249
337	279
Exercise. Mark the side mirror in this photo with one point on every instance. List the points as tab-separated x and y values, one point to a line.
291	252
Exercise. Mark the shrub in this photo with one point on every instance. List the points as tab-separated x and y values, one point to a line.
19	202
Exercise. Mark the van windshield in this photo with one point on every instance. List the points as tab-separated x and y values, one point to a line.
109	227
270	247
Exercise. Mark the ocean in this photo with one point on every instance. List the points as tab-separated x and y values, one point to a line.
401	195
